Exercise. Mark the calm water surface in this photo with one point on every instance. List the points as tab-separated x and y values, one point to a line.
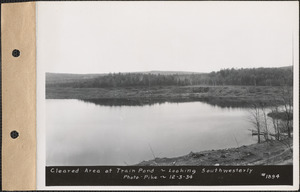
80	133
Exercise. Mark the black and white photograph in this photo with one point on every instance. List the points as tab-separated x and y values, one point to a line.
168	86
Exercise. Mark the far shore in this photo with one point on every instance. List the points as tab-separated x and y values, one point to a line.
226	96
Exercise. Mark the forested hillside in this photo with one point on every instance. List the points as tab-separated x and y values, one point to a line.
252	77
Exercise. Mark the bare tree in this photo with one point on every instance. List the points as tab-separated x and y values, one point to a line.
263	108
255	119
275	121
287	99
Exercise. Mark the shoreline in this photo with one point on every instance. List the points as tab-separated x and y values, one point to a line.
272	152
223	96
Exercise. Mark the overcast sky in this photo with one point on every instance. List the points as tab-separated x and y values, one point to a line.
103	37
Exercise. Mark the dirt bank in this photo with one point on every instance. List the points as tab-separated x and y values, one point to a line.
266	153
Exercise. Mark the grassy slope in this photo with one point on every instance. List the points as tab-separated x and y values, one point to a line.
266	153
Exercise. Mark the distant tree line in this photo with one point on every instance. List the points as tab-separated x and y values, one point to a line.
253	77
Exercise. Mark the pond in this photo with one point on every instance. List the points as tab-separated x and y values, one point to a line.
84	133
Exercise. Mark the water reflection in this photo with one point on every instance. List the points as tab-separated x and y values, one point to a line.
215	101
100	133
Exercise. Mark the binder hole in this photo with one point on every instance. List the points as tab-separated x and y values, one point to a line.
14	134
16	53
